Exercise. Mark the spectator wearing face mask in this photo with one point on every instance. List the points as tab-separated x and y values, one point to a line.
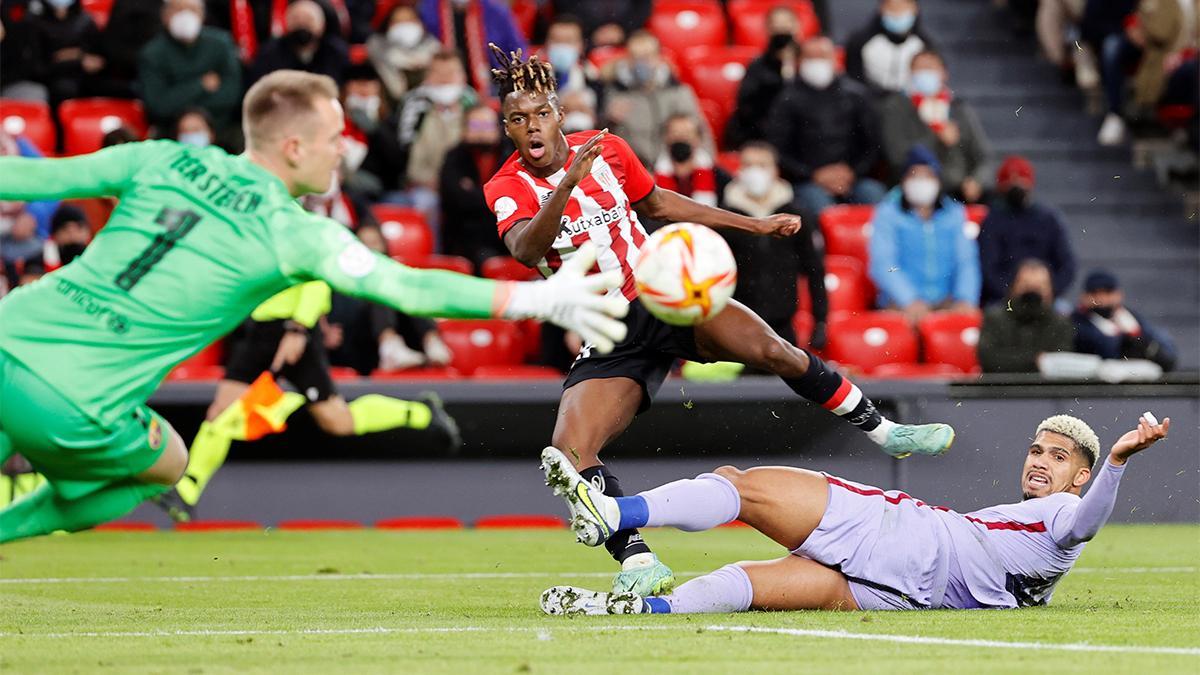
20	245
401	51
921	260
881	53
1015	333
190	65
929	114
466	27
194	127
66	41
1018	228
1137	55
70	233
765	78
768	267
826	133
469	226
579	110
644	95
306	45
684	166
1104	326
372	160
565	50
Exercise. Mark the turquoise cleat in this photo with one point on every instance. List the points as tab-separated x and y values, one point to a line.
644	577
918	439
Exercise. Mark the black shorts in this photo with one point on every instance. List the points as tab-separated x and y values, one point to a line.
646	355
253	354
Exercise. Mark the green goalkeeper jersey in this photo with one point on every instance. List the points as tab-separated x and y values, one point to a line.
199	239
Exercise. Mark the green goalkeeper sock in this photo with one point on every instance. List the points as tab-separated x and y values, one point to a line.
205	457
44	511
374	412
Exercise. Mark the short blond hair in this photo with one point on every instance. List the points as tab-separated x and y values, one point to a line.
280	98
1075	429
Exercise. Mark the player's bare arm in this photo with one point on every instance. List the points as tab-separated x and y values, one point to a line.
664	204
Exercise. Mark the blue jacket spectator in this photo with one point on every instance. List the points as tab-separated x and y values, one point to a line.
921	258
1017	229
1108	329
468	26
42	212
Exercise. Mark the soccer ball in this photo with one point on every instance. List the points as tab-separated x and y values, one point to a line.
685	274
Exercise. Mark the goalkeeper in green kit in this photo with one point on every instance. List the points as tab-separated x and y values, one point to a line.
199	239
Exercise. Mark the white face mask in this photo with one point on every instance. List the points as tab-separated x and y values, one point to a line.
578	121
406	34
927	82
920	191
756	179
367	105
199	139
184	25
817	73
445	94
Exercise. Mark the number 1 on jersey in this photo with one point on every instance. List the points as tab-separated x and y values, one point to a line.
177	223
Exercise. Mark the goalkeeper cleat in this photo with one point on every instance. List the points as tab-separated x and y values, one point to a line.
594	516
919	439
442	423
645	575
572	601
178	510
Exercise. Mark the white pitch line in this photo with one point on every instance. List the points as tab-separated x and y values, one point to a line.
455	576
541	632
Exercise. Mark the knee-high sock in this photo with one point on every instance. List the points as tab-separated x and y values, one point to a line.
205	457
726	590
44	511
829	389
374	412
692	505
625	542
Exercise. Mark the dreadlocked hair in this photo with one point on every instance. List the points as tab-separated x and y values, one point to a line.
518	74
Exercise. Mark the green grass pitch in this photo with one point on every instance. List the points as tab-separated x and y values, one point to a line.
466	601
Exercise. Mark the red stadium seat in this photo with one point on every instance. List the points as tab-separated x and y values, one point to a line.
916	371
602	56
525	13
716	72
871	339
952	338
186	371
452	263
343	373
31	120
408	235
505	268
86	120
802	324
679	24
432	373
717	115
749	19
845	229
730	161
517	372
846	284
99	10
481	343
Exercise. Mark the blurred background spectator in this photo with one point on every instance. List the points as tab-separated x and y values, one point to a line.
41	211
468	225
929	114
579	110
466	27
20	245
606	22
1104	326
826	133
768	267
401	51
307	45
765	78
67	41
644	94
194	127
566	51
70	233
683	164
1017	228
879	54
1016	332
920	258
131	25
373	161
1058	33
190	65
21	76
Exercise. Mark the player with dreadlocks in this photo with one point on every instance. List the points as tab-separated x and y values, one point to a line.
558	192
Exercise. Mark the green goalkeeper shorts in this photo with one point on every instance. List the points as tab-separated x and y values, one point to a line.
75	453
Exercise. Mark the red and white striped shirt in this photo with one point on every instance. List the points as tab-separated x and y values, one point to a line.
599	209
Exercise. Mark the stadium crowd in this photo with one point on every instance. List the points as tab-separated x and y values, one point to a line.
920	242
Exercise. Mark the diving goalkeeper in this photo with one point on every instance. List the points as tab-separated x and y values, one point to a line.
199	239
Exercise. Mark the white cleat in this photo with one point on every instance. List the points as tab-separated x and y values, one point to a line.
594	516
572	601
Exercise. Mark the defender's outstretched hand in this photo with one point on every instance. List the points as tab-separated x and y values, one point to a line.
779	225
574	300
1148	432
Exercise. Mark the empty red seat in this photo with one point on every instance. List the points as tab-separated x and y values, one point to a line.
99	10
802	324
506	268
916	371
730	161
405	229
476	343
517	372
749	20
715	73
952	338
846	284
717	114
430	373
30	119
525	14
602	56
188	371
679	24
452	263
85	121
343	373
845	229
871	339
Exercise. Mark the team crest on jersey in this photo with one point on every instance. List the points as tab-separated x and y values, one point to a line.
604	175
356	260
